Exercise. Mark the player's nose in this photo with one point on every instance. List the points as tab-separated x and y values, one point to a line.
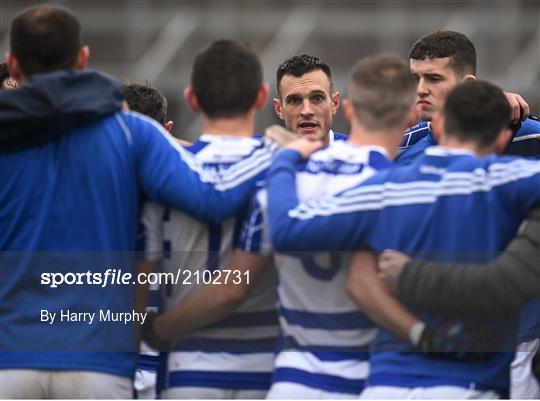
306	108
423	88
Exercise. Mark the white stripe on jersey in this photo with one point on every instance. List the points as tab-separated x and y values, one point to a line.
353	369
125	128
226	179
220	362
332	170
343	338
525	137
189	241
375	197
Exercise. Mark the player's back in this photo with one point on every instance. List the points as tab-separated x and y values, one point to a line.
434	201
69	206
310	320
324	331
241	345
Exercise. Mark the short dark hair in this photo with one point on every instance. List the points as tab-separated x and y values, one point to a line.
476	111
381	91
300	65
450	44
226	78
45	38
4	74
146	100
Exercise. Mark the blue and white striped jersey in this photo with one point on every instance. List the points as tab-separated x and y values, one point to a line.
237	352
325	335
425	209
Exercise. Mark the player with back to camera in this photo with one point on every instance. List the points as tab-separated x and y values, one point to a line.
72	203
209	357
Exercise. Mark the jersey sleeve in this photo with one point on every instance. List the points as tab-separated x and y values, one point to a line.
170	175
328	224
254	236
526	141
519	186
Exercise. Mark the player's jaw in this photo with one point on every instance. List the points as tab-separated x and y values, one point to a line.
424	108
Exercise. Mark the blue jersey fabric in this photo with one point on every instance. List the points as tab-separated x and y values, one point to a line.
71	206
526	143
424	201
414	134
338	136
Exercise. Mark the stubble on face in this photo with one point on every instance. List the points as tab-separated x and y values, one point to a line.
436	79
308	104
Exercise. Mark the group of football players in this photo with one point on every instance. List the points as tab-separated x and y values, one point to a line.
432	166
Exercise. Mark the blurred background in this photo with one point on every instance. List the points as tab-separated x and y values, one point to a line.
156	41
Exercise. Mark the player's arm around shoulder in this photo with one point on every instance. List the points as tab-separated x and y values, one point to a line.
170	175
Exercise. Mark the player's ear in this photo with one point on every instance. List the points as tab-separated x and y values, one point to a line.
169	126
13	66
191	99
82	58
262	97
469	77
277	107
335	98
502	141
348	111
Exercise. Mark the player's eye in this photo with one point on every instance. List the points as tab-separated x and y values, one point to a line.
294	100
318	98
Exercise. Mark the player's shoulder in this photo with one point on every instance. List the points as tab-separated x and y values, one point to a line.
136	125
414	134
339	136
225	149
335	151
135	119
529	128
507	162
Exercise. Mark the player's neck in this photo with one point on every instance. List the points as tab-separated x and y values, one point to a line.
241	126
389	140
